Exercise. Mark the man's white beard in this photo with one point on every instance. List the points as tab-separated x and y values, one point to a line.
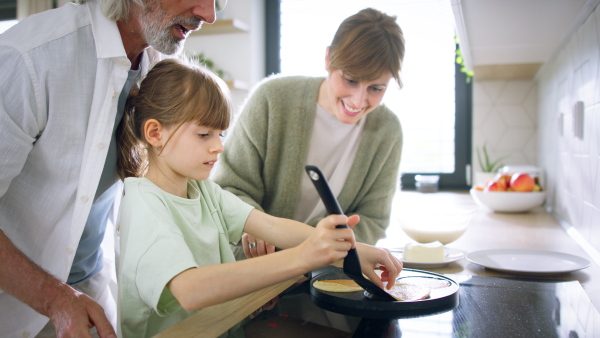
156	29
161	39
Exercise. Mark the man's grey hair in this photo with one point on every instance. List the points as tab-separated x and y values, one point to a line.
115	9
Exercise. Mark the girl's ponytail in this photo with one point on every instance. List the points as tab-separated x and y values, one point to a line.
131	161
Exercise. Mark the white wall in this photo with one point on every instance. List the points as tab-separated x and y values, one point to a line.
241	55
570	162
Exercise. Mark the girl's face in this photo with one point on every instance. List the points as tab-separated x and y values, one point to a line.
350	100
191	152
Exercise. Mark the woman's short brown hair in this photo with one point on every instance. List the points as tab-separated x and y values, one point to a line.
366	45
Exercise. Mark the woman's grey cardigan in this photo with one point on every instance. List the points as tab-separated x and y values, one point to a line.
266	151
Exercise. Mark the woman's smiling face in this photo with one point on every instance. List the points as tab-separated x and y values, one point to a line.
350	100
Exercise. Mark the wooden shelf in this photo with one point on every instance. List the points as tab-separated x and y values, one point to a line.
237	84
222	27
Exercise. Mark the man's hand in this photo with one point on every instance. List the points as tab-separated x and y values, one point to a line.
72	313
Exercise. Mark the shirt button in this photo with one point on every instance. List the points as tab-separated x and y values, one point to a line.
114	94
84	198
69	250
125	63
25	334
100	145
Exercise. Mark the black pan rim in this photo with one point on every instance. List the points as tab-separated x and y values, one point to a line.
359	305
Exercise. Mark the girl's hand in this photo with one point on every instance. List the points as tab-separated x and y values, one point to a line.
254	247
371	257
328	243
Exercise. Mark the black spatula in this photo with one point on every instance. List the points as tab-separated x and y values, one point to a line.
351	262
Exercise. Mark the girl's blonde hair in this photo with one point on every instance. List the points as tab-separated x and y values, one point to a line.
366	45
174	92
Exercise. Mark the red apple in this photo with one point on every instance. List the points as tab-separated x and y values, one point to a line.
504	179
522	182
496	186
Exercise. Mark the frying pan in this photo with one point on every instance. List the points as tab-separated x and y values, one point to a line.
351	262
359	304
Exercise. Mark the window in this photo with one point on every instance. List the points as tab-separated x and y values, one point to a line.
434	105
8	14
8	10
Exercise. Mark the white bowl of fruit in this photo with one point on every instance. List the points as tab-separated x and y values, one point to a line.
518	192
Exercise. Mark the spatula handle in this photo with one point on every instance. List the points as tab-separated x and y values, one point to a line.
352	262
320	182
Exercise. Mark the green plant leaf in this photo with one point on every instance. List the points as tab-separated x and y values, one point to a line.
481	165
461	61
208	63
494	166
487	165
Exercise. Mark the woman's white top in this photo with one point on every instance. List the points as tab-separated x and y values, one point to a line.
333	147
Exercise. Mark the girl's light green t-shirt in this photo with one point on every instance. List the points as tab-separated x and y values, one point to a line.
161	236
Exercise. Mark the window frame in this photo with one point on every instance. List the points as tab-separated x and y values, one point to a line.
460	179
8	10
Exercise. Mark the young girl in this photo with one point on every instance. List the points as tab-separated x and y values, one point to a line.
176	225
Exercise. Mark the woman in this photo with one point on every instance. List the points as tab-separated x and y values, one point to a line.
336	123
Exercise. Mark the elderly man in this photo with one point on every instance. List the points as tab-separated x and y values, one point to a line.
65	76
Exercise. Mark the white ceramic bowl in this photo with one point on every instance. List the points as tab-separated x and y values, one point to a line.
508	201
435	224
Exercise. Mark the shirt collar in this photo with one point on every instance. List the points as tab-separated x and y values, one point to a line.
106	33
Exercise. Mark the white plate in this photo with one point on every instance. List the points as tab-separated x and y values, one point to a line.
452	255
528	262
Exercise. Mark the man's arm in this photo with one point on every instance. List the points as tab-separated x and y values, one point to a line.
71	312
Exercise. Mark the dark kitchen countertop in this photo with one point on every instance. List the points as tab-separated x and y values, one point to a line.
488	307
491	303
537	230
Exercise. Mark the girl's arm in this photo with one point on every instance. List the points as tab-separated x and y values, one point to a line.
317	247
309	249
281	232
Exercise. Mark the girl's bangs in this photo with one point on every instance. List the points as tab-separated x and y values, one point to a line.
209	105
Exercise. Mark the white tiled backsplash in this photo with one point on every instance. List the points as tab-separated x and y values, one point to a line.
505	119
521	118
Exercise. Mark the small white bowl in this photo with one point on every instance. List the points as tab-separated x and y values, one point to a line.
435	224
508	201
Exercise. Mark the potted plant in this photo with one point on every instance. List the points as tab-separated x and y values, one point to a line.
200	58
488	168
